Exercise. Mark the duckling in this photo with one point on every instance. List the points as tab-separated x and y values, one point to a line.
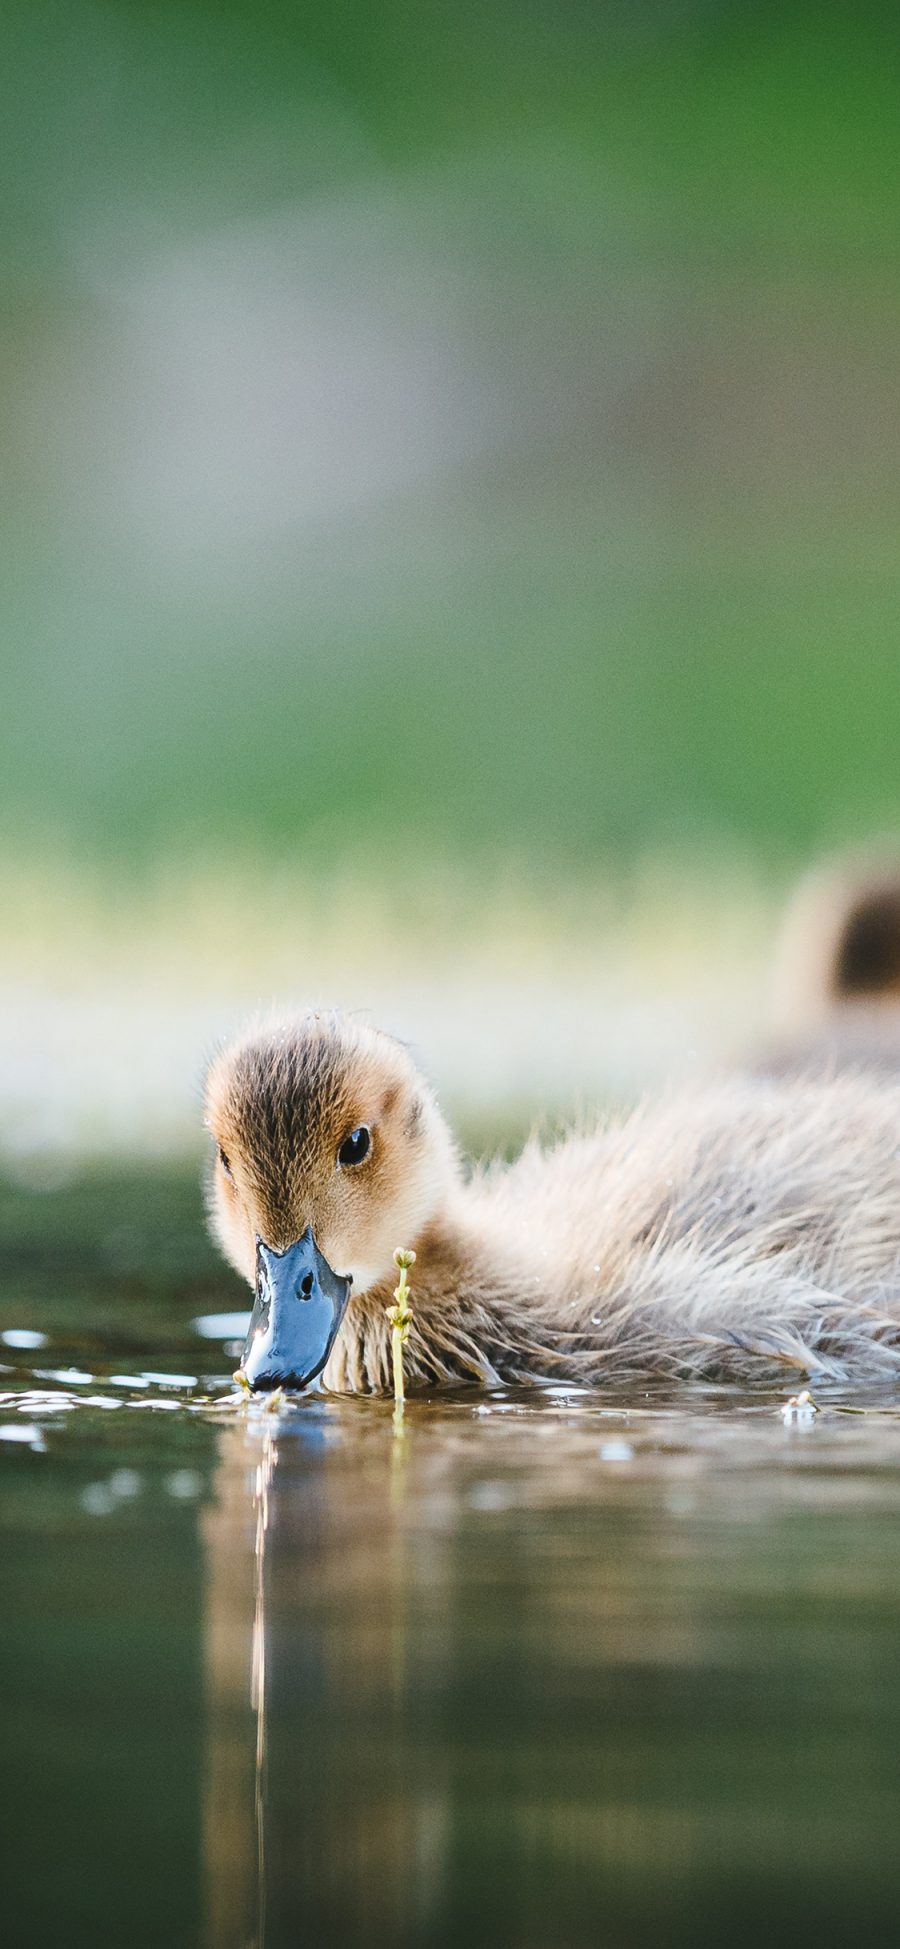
730	1231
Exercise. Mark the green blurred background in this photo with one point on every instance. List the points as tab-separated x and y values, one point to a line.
451	487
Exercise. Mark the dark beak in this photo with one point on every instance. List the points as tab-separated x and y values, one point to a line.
298	1309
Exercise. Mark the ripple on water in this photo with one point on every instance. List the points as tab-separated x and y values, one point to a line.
39	1395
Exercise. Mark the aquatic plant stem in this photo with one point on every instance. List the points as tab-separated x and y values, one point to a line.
400	1318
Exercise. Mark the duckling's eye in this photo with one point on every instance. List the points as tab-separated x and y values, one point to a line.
355	1147
224	1162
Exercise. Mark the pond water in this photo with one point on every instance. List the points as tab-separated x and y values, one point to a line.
537	1669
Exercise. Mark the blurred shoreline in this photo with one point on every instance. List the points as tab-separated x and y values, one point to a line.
526	998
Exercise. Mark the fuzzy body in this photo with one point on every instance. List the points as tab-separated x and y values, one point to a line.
750	1229
741	1230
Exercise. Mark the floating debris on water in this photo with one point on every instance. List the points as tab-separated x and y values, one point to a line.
22	1336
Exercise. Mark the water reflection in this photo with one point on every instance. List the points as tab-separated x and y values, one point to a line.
545	1669
264	1473
311	1797
542	1671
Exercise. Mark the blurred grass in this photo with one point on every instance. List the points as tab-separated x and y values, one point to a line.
658	610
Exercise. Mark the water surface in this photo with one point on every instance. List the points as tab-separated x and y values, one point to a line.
541	1668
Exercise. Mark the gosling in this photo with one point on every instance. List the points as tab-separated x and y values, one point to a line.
737	1232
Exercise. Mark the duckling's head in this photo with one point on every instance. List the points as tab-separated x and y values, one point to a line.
330	1152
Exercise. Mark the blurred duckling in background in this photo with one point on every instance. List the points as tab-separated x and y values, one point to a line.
837	969
734	1231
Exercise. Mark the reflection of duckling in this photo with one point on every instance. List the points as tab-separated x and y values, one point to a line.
723	1231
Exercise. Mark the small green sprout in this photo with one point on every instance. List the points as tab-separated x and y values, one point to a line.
240	1377
400	1319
